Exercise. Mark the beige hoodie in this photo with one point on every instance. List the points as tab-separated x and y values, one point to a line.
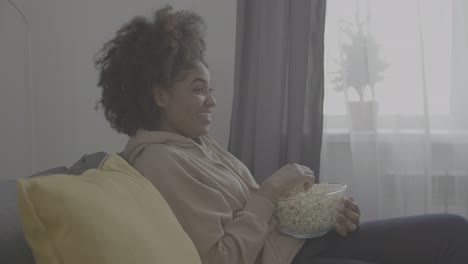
213	196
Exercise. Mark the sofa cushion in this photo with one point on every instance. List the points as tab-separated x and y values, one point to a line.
107	215
88	161
13	247
57	170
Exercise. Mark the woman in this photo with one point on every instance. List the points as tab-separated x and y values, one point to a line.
156	89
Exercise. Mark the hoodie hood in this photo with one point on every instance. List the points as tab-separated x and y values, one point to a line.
143	138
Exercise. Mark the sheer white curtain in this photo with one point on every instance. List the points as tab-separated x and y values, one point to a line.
396	105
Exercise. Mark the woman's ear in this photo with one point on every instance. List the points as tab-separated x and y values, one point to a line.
160	97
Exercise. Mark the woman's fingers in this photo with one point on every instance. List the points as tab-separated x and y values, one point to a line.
349	203
306	170
350	225
344	226
350	215
308	176
340	226
341	230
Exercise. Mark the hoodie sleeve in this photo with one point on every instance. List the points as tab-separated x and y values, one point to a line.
220	235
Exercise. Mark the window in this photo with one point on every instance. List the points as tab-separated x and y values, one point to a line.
410	42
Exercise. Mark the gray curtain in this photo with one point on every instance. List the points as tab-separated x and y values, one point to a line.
277	115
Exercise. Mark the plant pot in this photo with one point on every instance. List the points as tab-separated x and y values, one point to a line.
363	115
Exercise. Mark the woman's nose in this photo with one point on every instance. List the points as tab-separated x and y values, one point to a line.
210	101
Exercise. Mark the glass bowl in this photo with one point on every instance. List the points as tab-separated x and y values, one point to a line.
309	214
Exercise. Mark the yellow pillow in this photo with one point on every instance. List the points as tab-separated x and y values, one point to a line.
107	215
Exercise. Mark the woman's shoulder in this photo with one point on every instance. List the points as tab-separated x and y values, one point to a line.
159	163
162	153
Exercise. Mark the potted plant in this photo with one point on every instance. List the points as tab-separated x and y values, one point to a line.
360	68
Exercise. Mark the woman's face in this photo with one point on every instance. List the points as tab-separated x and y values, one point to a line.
186	108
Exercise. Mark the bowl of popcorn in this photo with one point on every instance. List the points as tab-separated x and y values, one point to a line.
312	213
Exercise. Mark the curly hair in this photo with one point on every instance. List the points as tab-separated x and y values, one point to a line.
143	55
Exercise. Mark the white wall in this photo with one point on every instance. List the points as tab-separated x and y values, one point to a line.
66	34
15	111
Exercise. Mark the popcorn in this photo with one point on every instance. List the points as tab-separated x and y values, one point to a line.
312	213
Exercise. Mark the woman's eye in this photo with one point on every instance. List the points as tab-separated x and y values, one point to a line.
199	90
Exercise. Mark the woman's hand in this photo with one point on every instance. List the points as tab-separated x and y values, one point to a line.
286	178
348	217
